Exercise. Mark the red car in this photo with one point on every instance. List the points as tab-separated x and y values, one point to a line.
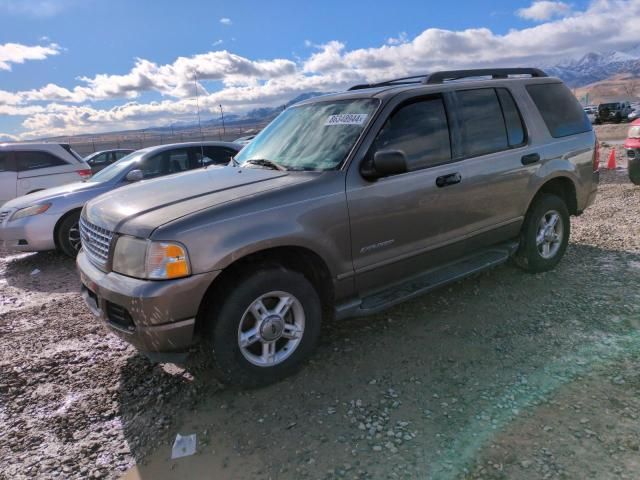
632	146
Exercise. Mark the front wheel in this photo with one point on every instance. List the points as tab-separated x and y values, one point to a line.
545	234
266	327
69	234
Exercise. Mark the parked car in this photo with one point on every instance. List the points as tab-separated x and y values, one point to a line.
29	167
613	112
344	205
592	113
99	160
632	147
246	140
634	115
48	220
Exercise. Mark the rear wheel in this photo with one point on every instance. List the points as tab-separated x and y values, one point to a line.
266	327
69	234
545	234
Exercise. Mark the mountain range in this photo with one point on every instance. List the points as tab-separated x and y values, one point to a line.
595	67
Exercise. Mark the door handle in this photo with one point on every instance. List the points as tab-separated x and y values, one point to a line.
530	158
446	180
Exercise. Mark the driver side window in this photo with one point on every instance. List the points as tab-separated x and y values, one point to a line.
420	130
154	166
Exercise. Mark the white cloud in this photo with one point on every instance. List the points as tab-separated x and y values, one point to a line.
248	83
18	53
225	21
217	42
401	38
541	10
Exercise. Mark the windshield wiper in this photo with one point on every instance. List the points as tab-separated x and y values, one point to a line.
263	162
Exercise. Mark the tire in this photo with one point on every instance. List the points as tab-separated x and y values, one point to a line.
68	235
532	255
255	365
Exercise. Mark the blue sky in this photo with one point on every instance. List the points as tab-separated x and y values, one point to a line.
272	51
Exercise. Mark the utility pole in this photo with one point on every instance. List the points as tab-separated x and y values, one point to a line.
224	131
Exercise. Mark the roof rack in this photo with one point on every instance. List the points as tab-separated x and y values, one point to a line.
451	75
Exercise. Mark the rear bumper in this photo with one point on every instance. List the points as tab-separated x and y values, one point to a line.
153	316
29	234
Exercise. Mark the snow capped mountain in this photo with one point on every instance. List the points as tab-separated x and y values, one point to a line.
595	66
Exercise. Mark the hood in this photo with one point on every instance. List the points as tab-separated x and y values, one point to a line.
141	208
50	193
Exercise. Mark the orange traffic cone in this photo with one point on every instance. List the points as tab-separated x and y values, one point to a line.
611	165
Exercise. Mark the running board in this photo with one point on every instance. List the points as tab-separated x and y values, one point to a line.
429	280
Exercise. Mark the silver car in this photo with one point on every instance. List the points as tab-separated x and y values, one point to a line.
48	219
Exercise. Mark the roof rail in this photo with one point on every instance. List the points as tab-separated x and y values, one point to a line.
494	73
395	81
449	75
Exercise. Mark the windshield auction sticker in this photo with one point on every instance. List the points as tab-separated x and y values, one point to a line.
347	119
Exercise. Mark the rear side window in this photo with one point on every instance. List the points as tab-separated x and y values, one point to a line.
421	131
482	124
33	160
560	110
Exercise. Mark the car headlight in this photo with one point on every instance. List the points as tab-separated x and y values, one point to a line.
151	260
30	211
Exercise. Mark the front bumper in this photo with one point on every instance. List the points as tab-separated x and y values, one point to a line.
28	234
153	316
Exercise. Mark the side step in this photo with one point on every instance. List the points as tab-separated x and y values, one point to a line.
430	280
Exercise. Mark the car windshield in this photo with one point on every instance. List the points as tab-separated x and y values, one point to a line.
317	136
116	168
609	106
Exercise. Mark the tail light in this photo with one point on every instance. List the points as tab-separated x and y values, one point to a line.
85	173
596	156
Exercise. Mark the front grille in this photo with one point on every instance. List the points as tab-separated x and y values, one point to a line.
120	316
96	242
4	215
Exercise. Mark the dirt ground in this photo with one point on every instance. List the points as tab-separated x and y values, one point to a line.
612	131
504	375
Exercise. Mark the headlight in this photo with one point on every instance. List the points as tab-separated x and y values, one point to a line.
30	211
153	260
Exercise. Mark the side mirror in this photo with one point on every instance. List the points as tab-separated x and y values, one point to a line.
384	164
134	176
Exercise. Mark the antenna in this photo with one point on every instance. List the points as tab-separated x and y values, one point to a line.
224	131
195	82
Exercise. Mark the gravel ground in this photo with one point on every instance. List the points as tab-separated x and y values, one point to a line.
505	375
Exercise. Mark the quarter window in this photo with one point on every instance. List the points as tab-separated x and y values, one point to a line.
421	131
33	160
560	110
4	162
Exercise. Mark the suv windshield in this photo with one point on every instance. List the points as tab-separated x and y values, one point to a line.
115	168
317	136
610	106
